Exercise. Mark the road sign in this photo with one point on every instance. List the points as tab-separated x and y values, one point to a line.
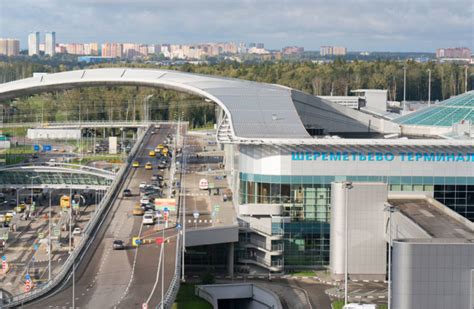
35	247
178	226
47	148
166	209
165	215
217	207
159	240
213	214
41	235
196	215
36	147
211	185
27	277
136	241
5	236
4	266
56	231
144	306
4	257
28	283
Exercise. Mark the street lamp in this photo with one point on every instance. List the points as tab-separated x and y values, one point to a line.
49	235
390	209
32	202
404	86
70	218
347	186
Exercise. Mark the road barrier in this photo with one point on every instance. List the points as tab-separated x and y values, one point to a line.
89	233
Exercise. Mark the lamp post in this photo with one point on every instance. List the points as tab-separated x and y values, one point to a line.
390	209
347	186
49	235
70	218
183	169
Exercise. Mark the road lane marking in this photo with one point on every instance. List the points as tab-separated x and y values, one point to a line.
157	279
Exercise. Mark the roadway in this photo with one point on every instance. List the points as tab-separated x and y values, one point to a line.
122	278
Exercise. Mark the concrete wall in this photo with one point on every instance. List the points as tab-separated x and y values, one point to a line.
432	274
54	134
259	298
211	235
367	247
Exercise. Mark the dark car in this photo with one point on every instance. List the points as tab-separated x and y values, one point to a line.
127	193
118	244
156	177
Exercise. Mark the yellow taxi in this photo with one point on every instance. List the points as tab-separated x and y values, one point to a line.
148	166
152	153
157	150
136	164
138	211
20	208
160	146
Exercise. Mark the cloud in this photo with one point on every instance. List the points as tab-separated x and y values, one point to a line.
399	25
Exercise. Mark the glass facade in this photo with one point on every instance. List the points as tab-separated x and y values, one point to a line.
306	202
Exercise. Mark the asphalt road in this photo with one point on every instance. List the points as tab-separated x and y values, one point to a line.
122	278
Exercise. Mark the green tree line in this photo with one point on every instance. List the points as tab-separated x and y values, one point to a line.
129	103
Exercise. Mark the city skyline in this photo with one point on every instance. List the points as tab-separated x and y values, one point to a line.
379	25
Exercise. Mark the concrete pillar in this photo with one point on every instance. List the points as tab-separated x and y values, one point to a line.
230	260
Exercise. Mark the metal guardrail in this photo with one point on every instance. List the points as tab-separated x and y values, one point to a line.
113	123
85	243
175	284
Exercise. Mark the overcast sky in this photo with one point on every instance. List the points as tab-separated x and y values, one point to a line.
374	25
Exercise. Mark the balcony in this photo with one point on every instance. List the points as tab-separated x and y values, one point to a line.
272	265
273	249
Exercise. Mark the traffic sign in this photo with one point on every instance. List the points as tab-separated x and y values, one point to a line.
56	231
144	306
5	236
4	266
136	241
159	240
178	226
165	216
217	207
36	147
166	209
4	257
47	148
27	276
196	215
41	235
35	247
28	283
211	185
213	214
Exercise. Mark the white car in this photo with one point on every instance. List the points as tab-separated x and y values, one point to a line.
148	219
142	185
77	231
144	200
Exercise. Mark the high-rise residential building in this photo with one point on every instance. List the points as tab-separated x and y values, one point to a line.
292	50
50	43
9	47
33	43
332	51
114	50
455	53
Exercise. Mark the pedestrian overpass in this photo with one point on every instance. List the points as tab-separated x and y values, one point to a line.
55	176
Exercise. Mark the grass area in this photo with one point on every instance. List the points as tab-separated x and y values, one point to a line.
339	304
20	150
187	300
15	131
106	158
304	273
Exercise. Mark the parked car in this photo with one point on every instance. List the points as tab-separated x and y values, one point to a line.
118	244
77	231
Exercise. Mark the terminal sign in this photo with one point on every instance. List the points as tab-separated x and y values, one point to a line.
382	156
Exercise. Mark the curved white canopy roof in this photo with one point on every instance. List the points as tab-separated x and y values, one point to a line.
254	110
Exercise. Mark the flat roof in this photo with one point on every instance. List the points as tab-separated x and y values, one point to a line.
432	219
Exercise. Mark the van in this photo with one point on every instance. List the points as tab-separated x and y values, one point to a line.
148	219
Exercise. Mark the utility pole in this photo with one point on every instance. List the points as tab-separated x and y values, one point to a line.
429	87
